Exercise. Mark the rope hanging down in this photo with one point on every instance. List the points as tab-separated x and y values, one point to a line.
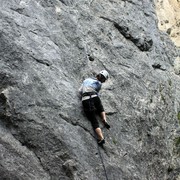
100	155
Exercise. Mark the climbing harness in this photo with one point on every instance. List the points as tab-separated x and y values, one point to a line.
90	95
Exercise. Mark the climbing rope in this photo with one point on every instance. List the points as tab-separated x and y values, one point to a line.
100	155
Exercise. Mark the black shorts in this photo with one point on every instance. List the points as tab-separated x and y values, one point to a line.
92	107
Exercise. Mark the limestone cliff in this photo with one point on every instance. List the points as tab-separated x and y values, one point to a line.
168	12
47	48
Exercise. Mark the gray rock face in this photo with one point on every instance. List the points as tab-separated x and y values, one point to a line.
47	48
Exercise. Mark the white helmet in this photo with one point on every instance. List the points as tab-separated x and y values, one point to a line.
105	74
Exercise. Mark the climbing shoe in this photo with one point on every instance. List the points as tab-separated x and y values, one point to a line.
107	125
101	142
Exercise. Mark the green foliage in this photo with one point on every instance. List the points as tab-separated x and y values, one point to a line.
177	146
178	116
162	38
177	141
165	92
114	141
163	98
170	82
161	87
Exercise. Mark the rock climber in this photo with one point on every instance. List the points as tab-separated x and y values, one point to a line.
92	104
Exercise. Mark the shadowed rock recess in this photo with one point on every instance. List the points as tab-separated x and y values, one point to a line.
47	48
